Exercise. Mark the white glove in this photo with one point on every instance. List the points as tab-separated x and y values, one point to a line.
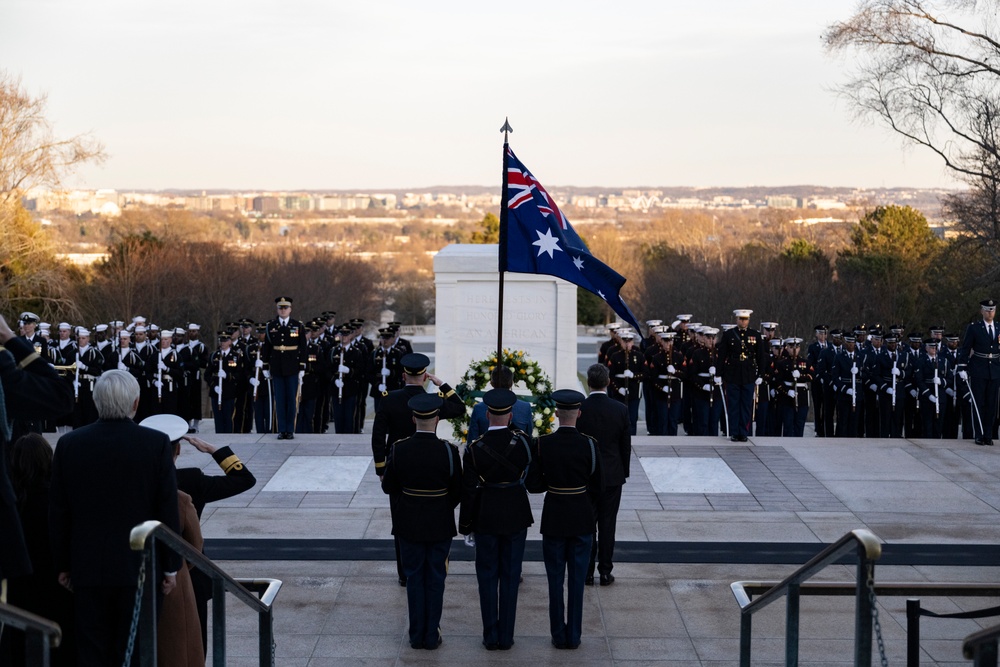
338	383
76	386
963	374
771	393
850	392
381	387
470	540
122	366
217	390
671	370
711	370
949	391
222	374
254	382
791	393
913	393
162	366
267	375
623	391
386	372
259	363
889	391
159	385
343	369
896	371
933	398
796	374
82	366
936	380
666	390
873	386
718	380
628	373
854	370
759	381
706	387
302	374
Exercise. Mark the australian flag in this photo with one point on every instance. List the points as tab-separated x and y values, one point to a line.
535	237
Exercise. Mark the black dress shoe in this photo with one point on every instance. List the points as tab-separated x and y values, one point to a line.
492	646
433	646
988	443
735	438
402	581
505	647
589	581
416	645
559	645
980	441
607	579
289	436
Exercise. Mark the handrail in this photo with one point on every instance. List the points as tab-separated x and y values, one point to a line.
144	536
868	548
42	634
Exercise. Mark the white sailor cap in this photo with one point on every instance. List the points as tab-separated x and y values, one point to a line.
124	333
65	325
44	326
82	332
139	319
140	329
166	333
742	312
194	327
117	324
179	331
101	327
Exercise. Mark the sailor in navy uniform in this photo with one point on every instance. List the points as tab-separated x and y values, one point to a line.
981	353
284	352
28	324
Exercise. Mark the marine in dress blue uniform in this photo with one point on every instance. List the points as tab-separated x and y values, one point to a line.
743	360
981	353
284	352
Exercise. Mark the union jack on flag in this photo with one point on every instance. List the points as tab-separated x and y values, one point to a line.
535	237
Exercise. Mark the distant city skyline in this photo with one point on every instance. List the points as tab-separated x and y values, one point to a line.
312	95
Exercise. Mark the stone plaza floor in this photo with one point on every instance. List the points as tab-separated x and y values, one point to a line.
697	514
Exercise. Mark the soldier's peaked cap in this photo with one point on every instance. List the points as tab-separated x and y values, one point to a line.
283	300
29	317
386	332
415	363
988	304
742	312
425	406
567	399
500	401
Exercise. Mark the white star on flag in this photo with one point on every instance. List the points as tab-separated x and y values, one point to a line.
578	262
547	243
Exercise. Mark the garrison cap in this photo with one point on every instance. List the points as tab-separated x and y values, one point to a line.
499	401
415	363
425	406
567	399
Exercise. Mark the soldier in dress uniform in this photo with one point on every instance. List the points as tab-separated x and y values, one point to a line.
743	360
648	346
870	377
101	341
224	376
28	324
263	411
125	358
424	474
90	366
847	382
495	509
147	393
165	368
931	374
315	371
817	388
766	392
65	357
667	369
325	340
912	420
895	370
386	369
707	393
954	402
195	361
394	419
404	345
825	371
625	364
980	352
793	376
367	348
347	364
284	353
246	344
568	465
611	343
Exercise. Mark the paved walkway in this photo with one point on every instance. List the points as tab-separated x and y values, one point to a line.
768	492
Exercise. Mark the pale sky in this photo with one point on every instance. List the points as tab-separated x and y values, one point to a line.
314	94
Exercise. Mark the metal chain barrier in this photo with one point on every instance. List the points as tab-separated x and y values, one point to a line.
878	625
135	614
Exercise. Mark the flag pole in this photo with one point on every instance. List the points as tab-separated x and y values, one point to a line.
502	249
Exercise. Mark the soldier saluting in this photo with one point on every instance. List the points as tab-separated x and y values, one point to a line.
284	352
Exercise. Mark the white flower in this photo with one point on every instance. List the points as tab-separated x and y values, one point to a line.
546	411
531	378
539	388
538	422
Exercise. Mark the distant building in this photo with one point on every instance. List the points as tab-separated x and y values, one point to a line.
782	201
265	205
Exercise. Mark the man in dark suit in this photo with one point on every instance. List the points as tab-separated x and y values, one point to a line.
607	421
394	420
284	356
981	352
108	477
495	509
30	390
569	470
425	474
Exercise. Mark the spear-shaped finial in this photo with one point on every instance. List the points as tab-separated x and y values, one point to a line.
506	129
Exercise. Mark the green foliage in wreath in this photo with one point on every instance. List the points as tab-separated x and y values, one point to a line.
527	374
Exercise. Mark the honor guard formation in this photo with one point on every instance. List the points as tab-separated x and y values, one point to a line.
287	376
870	382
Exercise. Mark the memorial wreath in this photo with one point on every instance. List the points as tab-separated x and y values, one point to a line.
526	372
